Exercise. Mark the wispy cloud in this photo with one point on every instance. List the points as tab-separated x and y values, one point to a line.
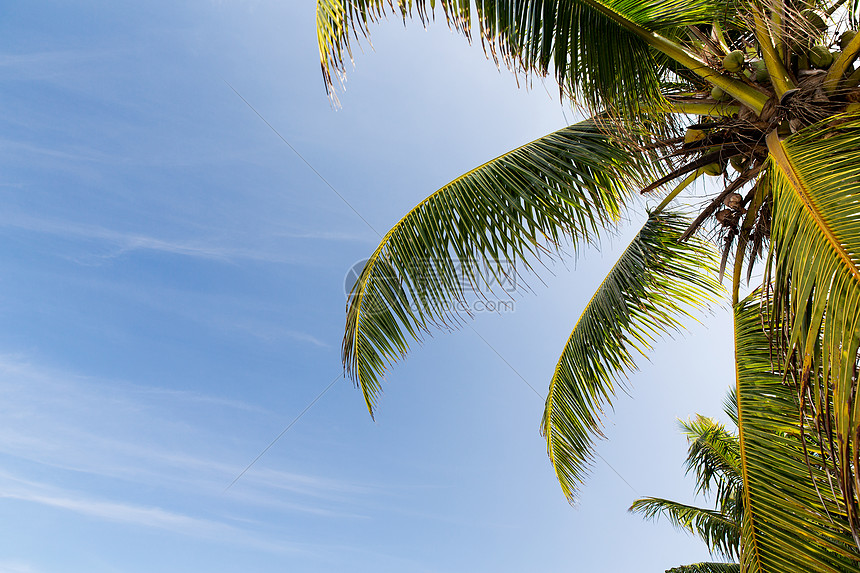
122	242
269	332
14	566
12	487
129	433
77	155
44	65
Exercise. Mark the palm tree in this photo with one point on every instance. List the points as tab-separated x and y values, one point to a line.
675	91
714	457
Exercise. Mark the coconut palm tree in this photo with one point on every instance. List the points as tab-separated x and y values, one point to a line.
675	91
714	457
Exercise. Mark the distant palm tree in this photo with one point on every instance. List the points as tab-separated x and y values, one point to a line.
714	457
676	90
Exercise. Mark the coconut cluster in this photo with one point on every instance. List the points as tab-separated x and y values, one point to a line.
809	55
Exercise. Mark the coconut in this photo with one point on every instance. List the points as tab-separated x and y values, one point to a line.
739	163
693	135
820	57
761	74
733	201
727	217
815	20
845	38
734	62
719	95
714	169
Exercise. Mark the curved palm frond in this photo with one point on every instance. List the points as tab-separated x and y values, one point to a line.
719	533
789	521
600	49
713	456
654	283
816	263
564	186
730	406
707	568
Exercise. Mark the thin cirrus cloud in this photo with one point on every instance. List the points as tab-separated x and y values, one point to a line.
15	566
121	243
107	432
48	65
139	515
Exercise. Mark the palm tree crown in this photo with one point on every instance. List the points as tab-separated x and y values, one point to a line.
676	91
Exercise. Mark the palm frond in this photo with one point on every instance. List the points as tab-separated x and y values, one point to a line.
654	283
713	456
707	568
816	262
789	521
564	186
719	533
601	50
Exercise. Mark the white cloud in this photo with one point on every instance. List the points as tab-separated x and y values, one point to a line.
120	243
124	242
152	517
129	433
13	566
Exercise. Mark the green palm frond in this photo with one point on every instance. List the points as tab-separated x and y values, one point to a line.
720	533
654	283
730	405
707	568
816	262
713	456
339	22
564	186
790	523
606	52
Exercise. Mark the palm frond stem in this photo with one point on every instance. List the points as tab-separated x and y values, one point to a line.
680	187
710	108
742	180
778	74
743	240
785	165
745	94
840	66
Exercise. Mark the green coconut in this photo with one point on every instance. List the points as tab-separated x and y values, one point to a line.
845	38
714	169
820	57
719	95
739	163
761	74
815	20
692	135
734	62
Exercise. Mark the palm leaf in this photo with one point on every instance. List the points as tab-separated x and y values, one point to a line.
816	262
707	568
564	186
603	51
713	456
720	533
653	283
790	523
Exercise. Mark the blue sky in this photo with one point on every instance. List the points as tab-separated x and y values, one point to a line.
172	297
